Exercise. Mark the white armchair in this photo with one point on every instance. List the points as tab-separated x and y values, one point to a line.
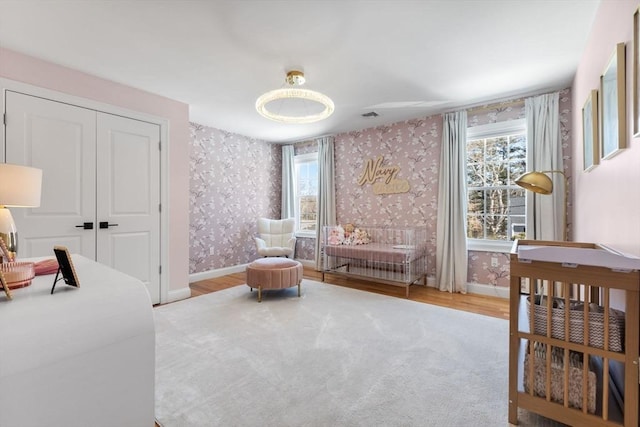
276	237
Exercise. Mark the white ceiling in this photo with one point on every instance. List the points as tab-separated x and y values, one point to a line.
219	56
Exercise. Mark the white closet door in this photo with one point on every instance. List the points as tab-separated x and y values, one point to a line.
60	139
128	177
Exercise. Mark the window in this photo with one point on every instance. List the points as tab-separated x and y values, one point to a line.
306	193
496	156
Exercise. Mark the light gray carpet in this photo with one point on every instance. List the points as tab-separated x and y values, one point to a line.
334	357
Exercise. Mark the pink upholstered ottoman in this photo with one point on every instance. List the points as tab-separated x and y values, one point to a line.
274	273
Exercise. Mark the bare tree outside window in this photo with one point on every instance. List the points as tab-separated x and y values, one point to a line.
495	204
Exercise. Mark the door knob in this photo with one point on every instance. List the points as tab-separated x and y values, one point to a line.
105	224
86	226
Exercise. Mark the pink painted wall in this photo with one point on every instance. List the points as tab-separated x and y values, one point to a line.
607	199
22	68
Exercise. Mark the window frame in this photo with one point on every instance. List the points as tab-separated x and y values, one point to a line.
299	159
494	130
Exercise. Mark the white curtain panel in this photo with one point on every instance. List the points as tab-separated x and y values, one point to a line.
288	183
326	192
544	152
451	238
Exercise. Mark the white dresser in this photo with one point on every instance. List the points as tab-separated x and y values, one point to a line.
80	357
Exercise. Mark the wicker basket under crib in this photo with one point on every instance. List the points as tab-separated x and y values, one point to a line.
576	323
557	378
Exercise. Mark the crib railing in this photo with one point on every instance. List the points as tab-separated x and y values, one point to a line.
393	255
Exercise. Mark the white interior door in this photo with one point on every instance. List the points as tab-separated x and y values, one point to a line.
128	216
97	168
60	139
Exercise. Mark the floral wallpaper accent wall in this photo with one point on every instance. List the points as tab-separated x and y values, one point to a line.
413	146
480	269
234	181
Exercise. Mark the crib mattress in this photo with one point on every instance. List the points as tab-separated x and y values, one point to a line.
377	252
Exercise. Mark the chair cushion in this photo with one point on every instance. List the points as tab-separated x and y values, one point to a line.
273	263
276	233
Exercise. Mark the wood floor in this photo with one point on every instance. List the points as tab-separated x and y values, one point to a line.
480	304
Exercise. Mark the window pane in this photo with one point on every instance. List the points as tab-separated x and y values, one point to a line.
495	205
308	209
496	227
475	151
497	149
475	175
516	201
475	203
496	174
516	168
307	178
475	226
497	202
518	147
518	227
306	194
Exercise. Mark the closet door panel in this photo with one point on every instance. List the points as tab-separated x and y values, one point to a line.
44	245
60	139
129	198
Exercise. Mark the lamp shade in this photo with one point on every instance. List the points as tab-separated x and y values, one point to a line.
537	182
20	186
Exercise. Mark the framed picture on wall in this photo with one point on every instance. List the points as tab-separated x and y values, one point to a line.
636	72
590	131
613	116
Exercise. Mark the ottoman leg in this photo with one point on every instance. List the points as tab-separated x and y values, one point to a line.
259	293
298	289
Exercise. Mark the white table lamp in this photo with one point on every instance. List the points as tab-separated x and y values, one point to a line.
20	186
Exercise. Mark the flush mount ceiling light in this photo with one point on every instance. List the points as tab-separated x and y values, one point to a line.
293	104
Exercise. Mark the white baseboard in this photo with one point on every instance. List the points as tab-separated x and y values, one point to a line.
218	272
490	290
240	268
478	288
179	294
184	293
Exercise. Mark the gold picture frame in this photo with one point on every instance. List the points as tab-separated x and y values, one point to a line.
590	131
65	269
636	73
5	286
613	114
